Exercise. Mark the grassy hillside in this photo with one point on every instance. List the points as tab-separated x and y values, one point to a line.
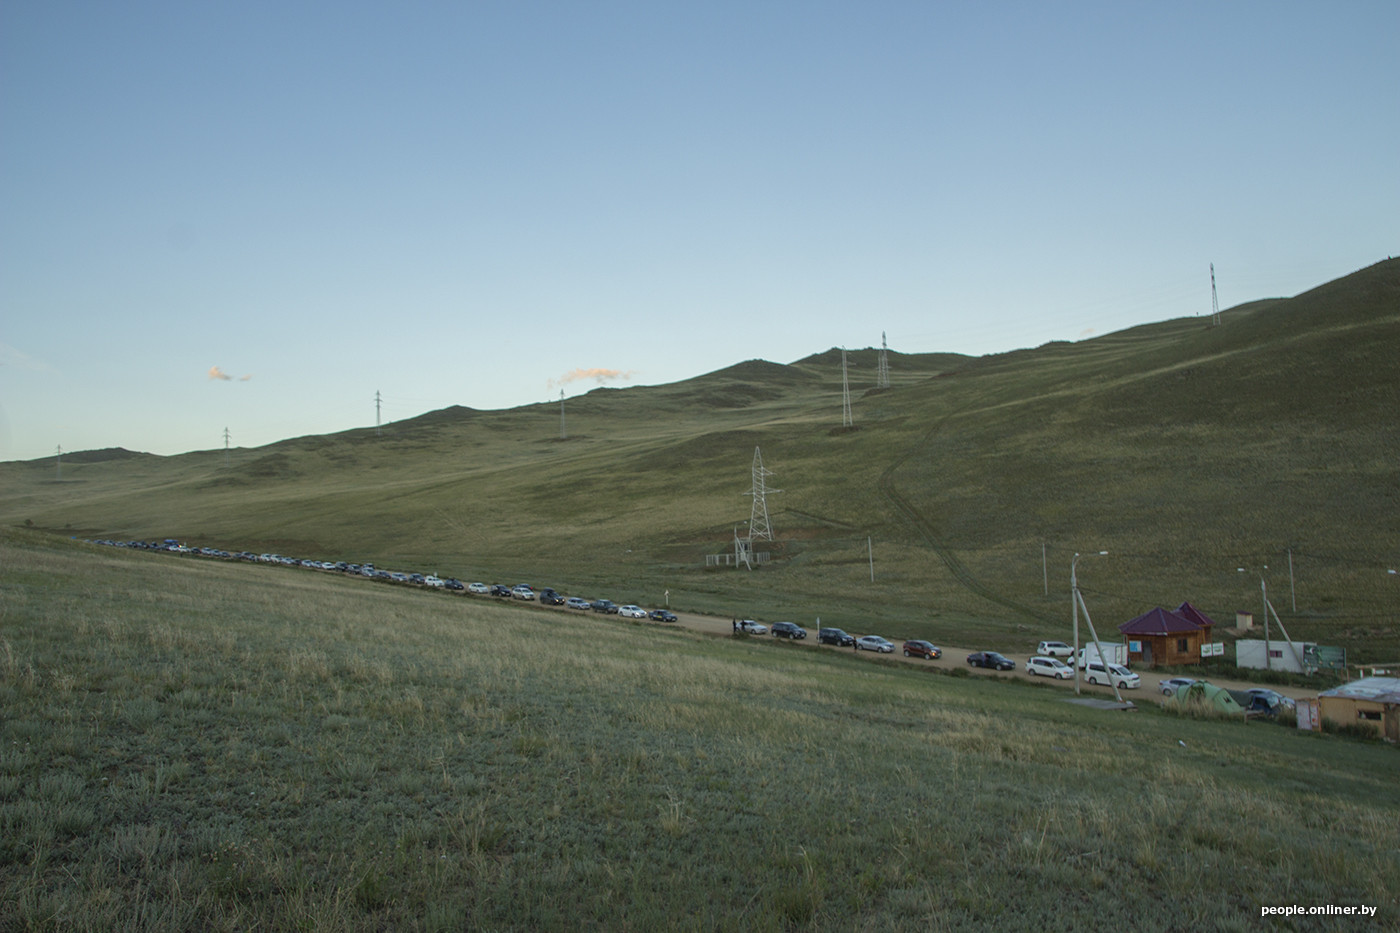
203	745
1201	458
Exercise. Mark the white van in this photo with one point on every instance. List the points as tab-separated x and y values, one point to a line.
1122	678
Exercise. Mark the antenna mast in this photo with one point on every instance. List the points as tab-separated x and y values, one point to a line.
1214	302
562	435
376	412
58	462
226	448
846	420
882	371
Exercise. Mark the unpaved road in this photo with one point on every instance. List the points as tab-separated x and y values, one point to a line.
954	657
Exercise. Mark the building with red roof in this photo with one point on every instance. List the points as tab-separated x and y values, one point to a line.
1168	638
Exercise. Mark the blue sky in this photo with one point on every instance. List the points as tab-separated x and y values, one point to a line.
466	203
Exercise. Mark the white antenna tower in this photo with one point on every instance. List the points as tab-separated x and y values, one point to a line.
882	371
1214	302
376	412
58	462
846	419
759	528
226	448
562	435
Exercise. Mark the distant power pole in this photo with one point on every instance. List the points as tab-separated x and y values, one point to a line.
882	371
846	419
1214	302
225	448
58	462
562	434
376	412
758	515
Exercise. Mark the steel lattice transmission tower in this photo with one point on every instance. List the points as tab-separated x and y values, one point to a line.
759	528
846	419
1214	302
882	371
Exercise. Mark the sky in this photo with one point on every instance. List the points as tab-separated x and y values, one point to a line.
255	216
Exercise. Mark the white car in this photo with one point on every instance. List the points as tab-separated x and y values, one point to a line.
631	612
874	643
432	580
1119	675
1054	649
1049	667
479	588
522	591
752	627
1172	684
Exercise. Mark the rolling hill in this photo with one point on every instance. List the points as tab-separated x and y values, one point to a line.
1205	460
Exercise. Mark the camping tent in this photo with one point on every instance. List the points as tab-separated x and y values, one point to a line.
1207	696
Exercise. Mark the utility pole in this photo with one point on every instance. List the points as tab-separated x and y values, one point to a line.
226	448
1292	594
562	434
1214	302
58	462
376	412
846	420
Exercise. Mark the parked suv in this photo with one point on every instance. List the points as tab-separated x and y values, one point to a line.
918	648
834	636
1054	649
604	605
550	597
522	591
788	630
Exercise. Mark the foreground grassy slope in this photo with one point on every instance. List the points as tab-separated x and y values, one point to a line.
195	745
1186	451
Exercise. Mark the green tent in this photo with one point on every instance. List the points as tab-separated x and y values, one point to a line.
1208	696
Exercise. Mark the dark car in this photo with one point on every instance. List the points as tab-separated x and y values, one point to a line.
500	589
452	583
991	659
788	630
918	648
604	605
834	636
551	597
663	615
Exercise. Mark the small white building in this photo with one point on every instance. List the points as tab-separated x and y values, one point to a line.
1272	655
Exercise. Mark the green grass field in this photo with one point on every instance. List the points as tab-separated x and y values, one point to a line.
200	745
1205	460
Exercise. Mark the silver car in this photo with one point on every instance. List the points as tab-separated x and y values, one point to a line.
874	643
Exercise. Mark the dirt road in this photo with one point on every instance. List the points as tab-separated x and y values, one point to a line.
954	657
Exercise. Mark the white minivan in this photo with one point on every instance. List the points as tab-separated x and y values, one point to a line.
1049	667
1122	678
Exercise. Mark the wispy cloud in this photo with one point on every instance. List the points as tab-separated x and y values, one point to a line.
9	356
598	374
217	373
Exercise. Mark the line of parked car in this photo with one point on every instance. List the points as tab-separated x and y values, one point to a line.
1046	662
521	591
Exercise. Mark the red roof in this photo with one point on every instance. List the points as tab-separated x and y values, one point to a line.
1191	613
1158	622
